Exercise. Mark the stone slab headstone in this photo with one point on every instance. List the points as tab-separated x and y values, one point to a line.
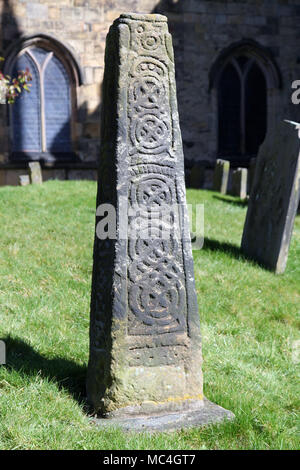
35	173
2	352
24	180
274	199
197	176
221	175
239	183
145	359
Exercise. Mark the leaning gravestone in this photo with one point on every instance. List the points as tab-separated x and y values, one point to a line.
35	173
239	183
274	199
221	175
145	347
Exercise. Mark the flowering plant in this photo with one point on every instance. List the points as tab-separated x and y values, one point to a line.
12	87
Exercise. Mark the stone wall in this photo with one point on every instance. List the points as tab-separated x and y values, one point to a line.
81	25
201	30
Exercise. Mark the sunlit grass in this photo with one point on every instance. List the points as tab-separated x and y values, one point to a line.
249	320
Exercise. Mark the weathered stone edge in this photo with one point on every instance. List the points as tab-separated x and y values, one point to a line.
155	17
210	413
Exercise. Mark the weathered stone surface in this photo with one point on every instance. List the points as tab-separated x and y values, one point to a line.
145	344
221	175
208	413
24	180
35	173
197	176
239	183
273	200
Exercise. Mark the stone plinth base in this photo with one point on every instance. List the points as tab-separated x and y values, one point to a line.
208	413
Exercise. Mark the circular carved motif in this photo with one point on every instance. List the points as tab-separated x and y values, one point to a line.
150	41
156	290
157	297
150	133
153	192
148	93
140	29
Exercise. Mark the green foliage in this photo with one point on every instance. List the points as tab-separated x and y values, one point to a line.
15	86
249	320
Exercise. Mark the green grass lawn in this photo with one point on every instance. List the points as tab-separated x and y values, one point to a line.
249	319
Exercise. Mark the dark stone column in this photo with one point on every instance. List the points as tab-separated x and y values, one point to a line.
145	344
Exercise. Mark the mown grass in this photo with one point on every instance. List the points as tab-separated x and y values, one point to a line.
249	318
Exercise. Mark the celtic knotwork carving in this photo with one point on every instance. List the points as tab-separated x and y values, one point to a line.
156	250
157	296
156	290
148	94
149	109
150	134
153	191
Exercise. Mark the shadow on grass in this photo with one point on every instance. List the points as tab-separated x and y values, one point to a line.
68	375
229	200
228	248
231	250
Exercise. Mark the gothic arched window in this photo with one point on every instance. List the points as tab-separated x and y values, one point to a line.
242	78
41	121
242	108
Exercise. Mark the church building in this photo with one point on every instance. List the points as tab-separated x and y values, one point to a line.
236	65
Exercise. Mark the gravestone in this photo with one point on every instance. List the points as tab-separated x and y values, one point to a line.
35	173
2	352
197	176
239	183
24	180
145	359
221	175
274	199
